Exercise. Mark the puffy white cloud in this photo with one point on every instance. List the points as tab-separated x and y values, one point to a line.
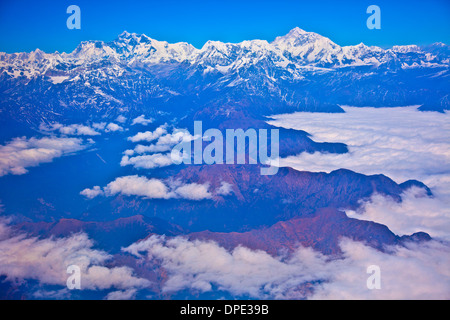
113	127
149	135
140	149
156	160
99	125
121	119
412	272
142	120
152	188
92	193
138	186
165	142
242	271
225	189
192	191
47	259
175	137
21	153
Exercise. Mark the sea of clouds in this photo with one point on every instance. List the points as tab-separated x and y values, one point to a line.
402	143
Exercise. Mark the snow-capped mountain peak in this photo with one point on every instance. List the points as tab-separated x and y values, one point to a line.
298	49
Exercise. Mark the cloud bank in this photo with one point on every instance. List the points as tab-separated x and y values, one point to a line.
20	153
412	272
47	259
416	212
402	143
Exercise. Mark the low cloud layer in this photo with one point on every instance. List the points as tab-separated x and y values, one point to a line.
21	153
401	143
416	212
46	260
413	272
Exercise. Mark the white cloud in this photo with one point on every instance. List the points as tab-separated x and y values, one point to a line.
225	189
149	135
128	152
142	120
121	119
416	212
113	127
193	191
175	137
47	259
151	189
165	142
21	153
99	125
417	271
413	272
140	149
81	129
156	160
138	186
92	193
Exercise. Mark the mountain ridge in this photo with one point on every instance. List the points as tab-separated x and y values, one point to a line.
294	43
300	71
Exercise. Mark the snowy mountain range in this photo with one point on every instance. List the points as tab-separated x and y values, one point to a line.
299	71
295	50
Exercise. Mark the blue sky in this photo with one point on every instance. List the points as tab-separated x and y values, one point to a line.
27	25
